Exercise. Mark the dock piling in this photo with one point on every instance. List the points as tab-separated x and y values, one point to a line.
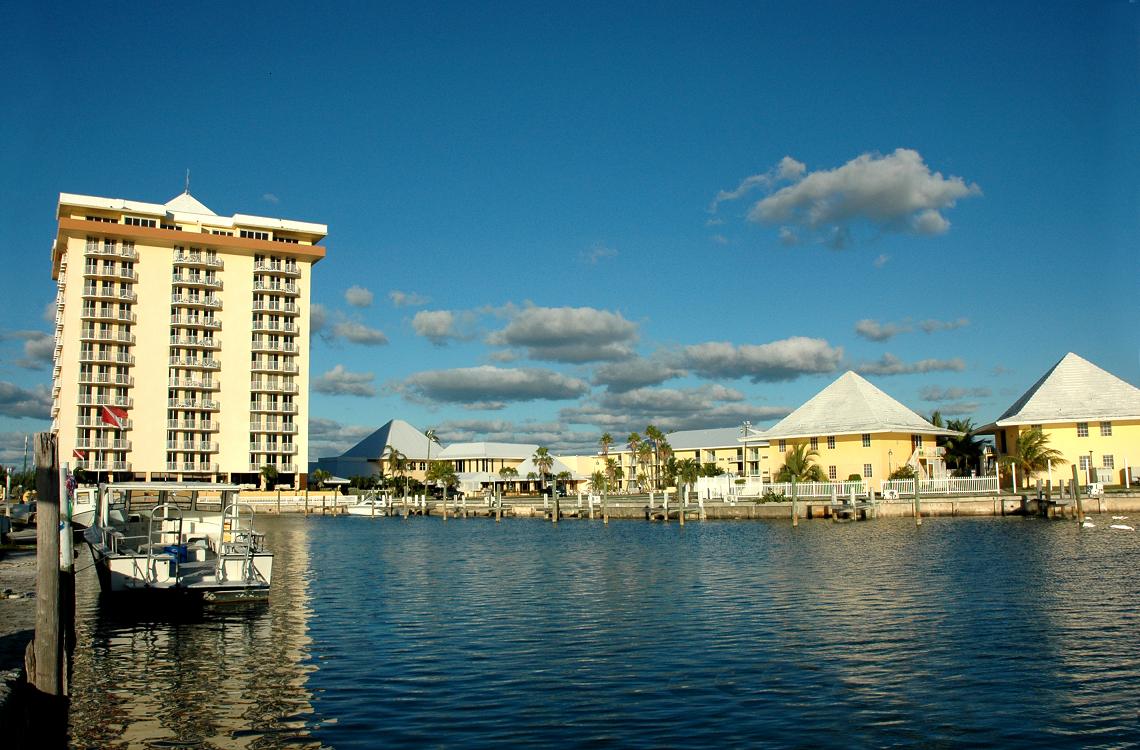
1077	496
795	505
917	501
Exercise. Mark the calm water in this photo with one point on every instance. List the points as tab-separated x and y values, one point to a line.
392	633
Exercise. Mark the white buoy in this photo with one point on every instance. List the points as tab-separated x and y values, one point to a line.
1122	527
1088	525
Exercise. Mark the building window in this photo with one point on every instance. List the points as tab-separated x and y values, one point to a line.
832	473
1106	431
135	221
1082	429
866	471
866	440
224	233
1084	463
288	240
831	442
1108	462
815	443
783	446
103	219
249	234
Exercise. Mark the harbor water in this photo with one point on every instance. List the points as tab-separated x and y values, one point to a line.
469	633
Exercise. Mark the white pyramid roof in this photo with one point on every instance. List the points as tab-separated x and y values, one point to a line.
187	204
1074	390
851	406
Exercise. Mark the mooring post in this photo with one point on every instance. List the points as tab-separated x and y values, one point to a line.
278	502
1077	495
554	510
306	501
499	509
680	509
795	504
46	672
917	502
590	500
605	510
665	506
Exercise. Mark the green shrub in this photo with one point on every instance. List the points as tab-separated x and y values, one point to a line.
854	477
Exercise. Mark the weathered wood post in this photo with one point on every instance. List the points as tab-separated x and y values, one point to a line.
46	670
555	512
917	502
306	501
605	510
665	506
680	509
499	509
1077	495
795	504
324	502
278	502
590	500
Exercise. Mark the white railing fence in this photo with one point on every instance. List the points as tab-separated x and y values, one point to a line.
943	486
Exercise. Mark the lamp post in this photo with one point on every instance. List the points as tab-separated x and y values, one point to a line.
745	429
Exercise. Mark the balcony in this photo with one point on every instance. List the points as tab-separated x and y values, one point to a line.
277	427
274	407
113	337
289	270
195	364
92	271
290	290
199	447
194	321
99	250
190	280
103	444
189	467
106	313
91	291
272	386
196	342
196	404
196	385
260	345
288	449
264	365
185	424
276	306
98	423
186	300
282	468
121	401
104	378
197	260
109	358
103	465
273	325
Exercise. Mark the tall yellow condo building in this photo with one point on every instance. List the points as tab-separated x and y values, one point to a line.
181	340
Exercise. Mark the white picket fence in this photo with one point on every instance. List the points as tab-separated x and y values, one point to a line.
943	486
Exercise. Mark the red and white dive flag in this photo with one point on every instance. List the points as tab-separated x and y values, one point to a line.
114	416
81	455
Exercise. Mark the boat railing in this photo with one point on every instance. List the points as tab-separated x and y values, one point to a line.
158	543
238	539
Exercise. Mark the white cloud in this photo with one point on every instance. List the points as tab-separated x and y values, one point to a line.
597	252
38	348
340	382
786	359
488	387
932	326
358	296
442	326
787	169
893	193
318	318
937	393
959	408
19	403
49	312
568	334
881	261
407	299
719	239
636	373
670	409
873	330
270	198
889	364
552	435
358	333
327	437
788	237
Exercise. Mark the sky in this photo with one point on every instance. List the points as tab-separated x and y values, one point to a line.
546	222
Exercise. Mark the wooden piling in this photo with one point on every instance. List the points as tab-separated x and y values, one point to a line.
795	504
917	501
680	510
46	673
605	510
499	509
555	509
306	501
1077	496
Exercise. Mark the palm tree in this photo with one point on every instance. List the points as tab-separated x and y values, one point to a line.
644	455
544	462
319	477
687	472
799	465
397	463
1032	454
509	474
964	450
665	452
268	476
431	438
655	437
598	482
615	473
606	440
936	418
443	474
562	476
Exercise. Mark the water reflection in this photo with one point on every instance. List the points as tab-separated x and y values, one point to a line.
230	676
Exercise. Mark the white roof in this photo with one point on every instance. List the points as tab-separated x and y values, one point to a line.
1074	390
188	204
461	451
851	406
718	437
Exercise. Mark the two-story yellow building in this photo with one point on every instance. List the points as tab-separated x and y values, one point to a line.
1088	414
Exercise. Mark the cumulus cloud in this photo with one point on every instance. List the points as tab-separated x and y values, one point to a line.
357	332
407	299
893	193
636	373
597	252
270	198
443	326
12	448
568	334
788	169
881	261
670	409
340	382
788	237
889	364
318	319
959	408
49	312
937	393
552	435
786	359
327	437
932	326
489	387
20	403
38	348
358	296
873	330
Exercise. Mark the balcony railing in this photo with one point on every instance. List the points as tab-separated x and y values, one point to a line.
193	321
262	365
284	308
270	386
274	346
188	403
205	301
103	465
198	385
282	448
196	426
115	337
195	281
197	260
278	427
291	270
120	401
186	467
194	363
103	378
97	422
114	358
271	325
92	291
272	406
102	444
282	468
199	447
91	313
99	250
200	342
287	289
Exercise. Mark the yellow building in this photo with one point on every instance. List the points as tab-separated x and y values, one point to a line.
181	342
1088	414
858	430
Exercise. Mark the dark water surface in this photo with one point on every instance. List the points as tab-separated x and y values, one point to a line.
467	633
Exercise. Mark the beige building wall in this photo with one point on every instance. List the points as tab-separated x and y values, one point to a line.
192	325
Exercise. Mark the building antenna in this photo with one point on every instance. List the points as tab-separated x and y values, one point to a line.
187	190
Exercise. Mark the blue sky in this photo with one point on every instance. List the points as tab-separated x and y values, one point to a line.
578	219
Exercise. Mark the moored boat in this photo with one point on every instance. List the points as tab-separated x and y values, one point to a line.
193	539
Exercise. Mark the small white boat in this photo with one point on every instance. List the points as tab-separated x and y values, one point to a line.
370	505
192	539
83	506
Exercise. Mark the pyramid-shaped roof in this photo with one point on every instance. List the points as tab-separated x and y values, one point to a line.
851	406
717	437
187	204
400	435
1074	390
